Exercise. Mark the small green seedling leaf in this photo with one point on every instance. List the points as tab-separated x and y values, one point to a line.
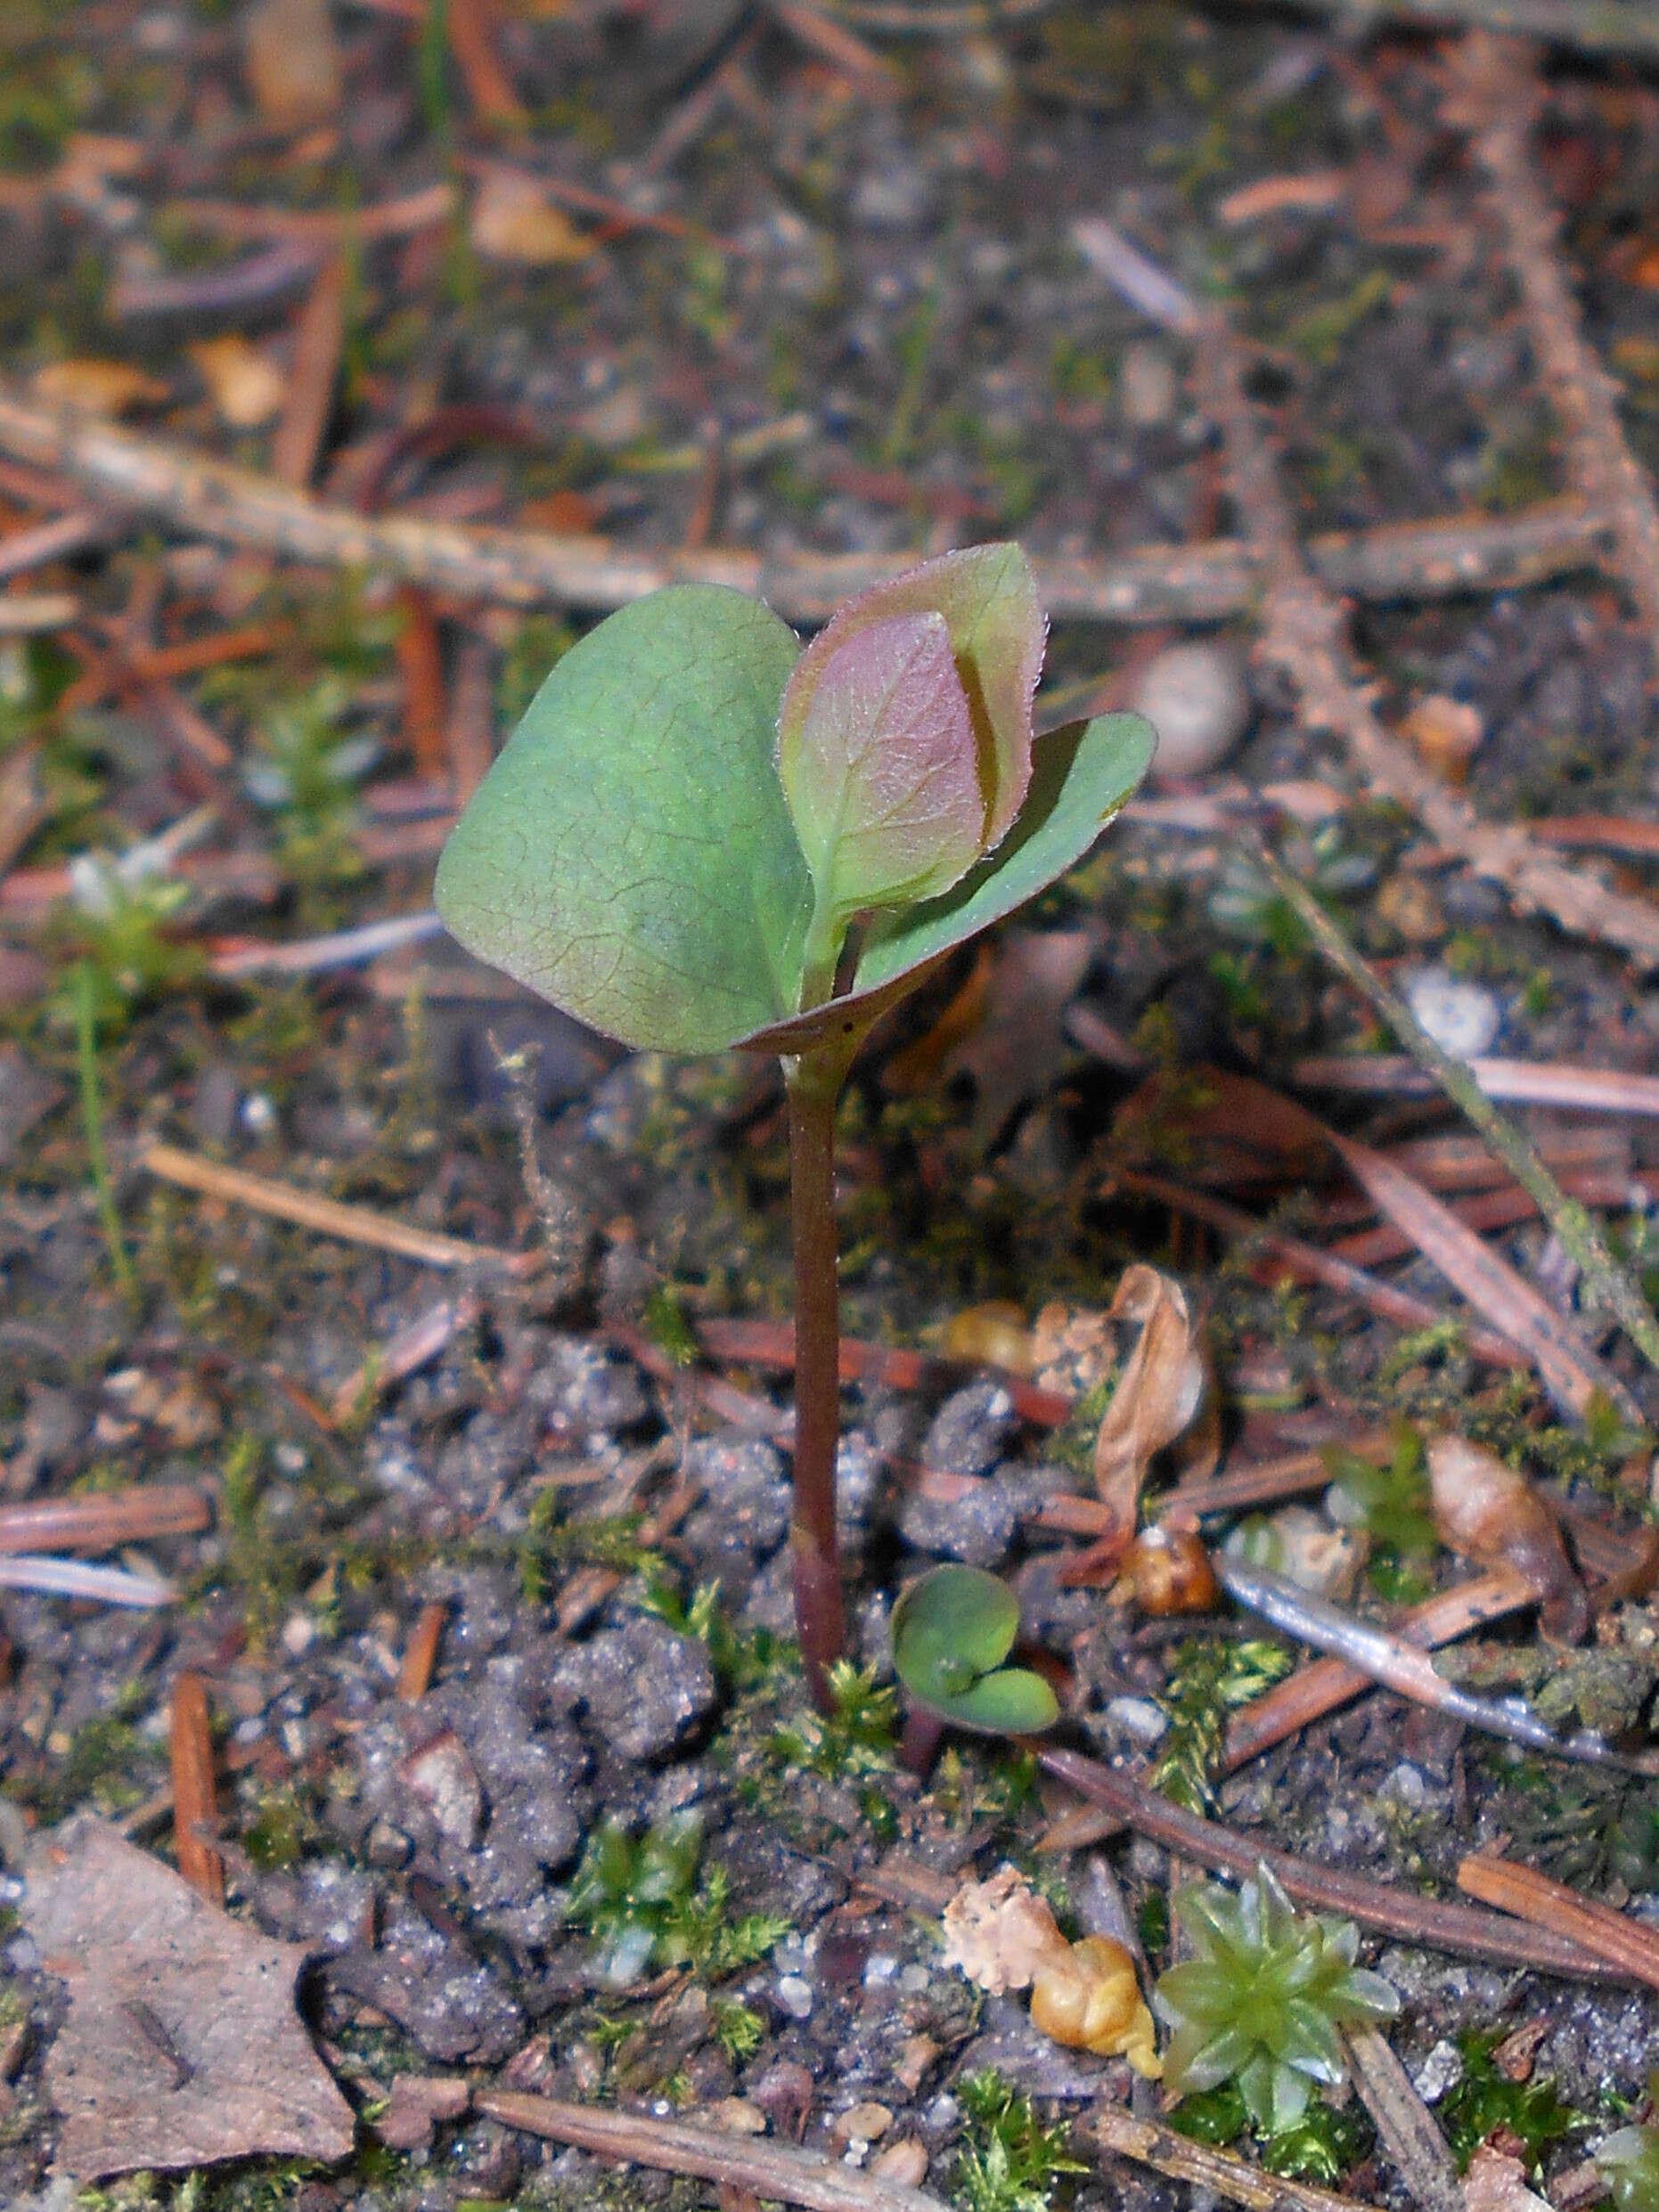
952	1630
880	772
630	856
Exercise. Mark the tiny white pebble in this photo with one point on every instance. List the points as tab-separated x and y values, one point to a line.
914	1981
299	1633
1139	1718
259	1114
1196	697
795	1996
1463	1019
878	1967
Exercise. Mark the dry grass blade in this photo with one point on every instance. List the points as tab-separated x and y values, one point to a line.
1571	1371
195	1804
1607	1279
1205	2167
356	1225
1319	1688
318	338
1397	1912
1403	2121
77	1578
775	2170
1553	1908
1403	1667
1308	1263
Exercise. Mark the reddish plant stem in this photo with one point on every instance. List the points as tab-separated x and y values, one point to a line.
815	1084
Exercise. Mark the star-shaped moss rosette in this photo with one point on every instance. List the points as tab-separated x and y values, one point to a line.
700	836
1263	2000
952	1630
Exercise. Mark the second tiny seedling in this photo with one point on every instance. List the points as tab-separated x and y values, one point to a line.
700	837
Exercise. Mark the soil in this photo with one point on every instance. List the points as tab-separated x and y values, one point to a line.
856	322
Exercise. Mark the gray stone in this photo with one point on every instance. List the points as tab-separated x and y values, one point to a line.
643	1686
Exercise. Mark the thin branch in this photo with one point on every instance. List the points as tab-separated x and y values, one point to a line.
1583	26
1154	583
1414	2144
1495	90
778	2170
1206	2167
1304	635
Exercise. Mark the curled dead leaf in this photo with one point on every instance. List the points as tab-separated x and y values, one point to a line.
1156	1398
1491	1514
1083	1994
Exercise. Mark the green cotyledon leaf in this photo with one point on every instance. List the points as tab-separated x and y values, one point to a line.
952	1630
630	856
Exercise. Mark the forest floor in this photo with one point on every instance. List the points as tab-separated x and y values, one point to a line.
434	1354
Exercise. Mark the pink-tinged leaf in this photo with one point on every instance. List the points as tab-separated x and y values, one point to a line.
988	599
880	773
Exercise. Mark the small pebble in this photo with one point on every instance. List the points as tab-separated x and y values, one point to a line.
1463	1019
1139	1718
1147	384
1440	2071
902	2165
915	1980
860	2123
1196	697
738	2116
299	1633
795	1996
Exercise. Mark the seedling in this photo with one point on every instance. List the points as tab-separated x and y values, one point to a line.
952	1630
699	838
636	1896
1263	2000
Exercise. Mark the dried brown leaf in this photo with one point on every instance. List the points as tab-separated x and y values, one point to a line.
100	388
181	2046
1496	2182
1156	1397
246	388
1491	1514
514	220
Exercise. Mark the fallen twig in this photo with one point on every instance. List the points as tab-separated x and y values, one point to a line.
1585	25
195	1807
1609	1283
1217	2172
525	568
1550	1906
1416	2146
1496	93
1405	1669
1399	1912
1304	635
778	2170
356	1225
404	1354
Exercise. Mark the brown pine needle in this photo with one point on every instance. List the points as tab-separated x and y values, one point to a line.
356	1225
414	1676
1623	1943
102	1524
195	1805
1206	2167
